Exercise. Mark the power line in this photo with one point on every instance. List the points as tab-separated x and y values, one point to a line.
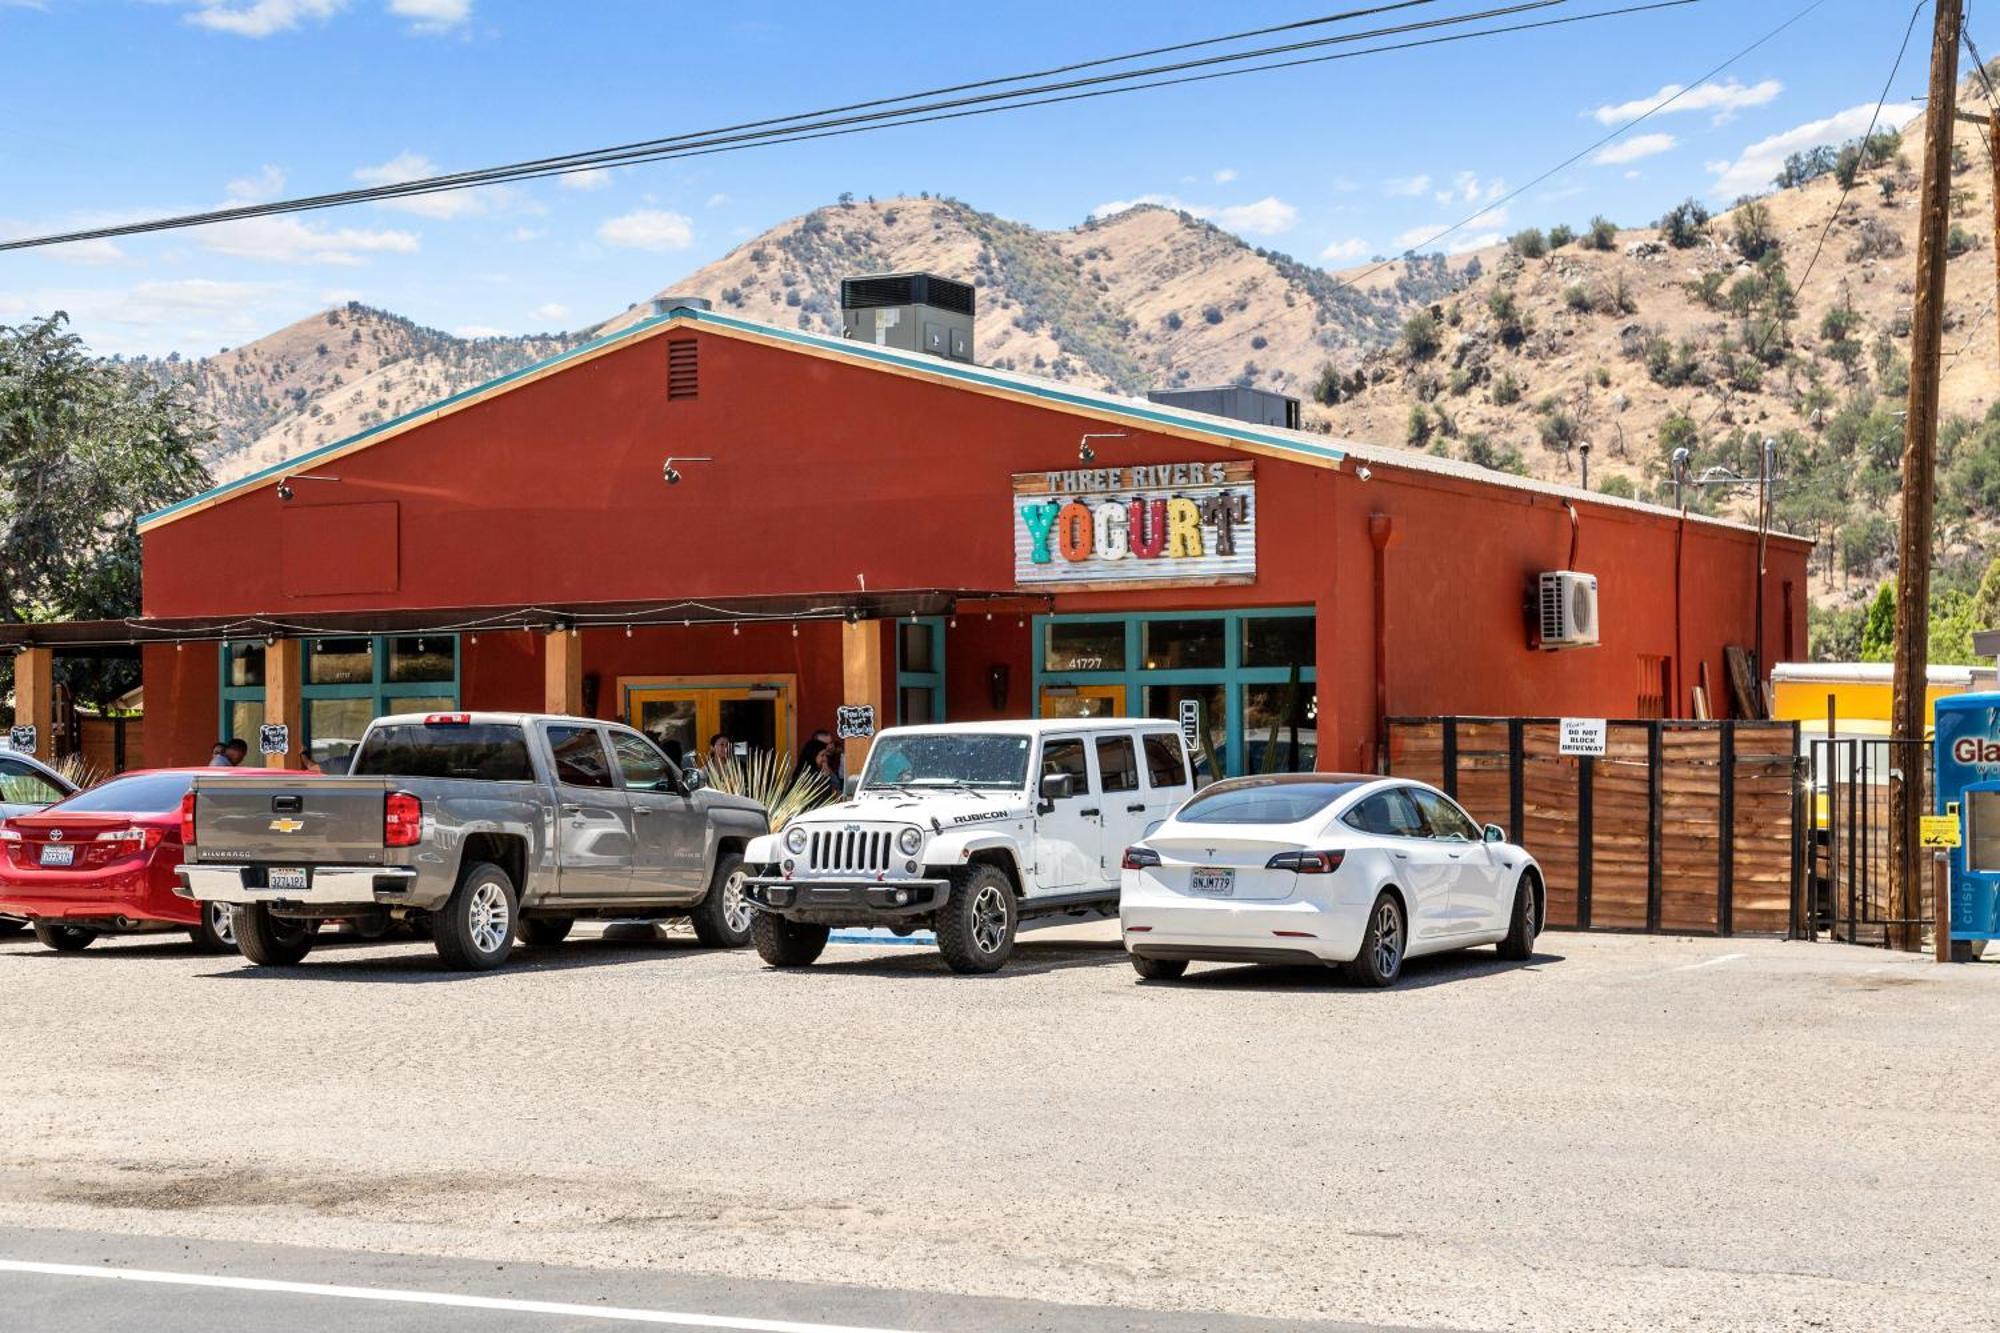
815	125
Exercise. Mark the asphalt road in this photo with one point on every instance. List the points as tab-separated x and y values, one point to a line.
1627	1133
83	1282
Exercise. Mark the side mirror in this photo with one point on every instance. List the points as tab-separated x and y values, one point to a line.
850	785
693	779
1494	833
1057	786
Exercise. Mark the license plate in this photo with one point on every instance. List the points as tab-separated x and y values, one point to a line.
1216	883
286	879
58	856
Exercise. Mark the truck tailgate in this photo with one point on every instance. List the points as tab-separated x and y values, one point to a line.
320	821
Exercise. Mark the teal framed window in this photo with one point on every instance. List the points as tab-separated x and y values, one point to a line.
348	682
1249	676
920	671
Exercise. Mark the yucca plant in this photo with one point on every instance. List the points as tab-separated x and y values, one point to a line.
773	781
79	770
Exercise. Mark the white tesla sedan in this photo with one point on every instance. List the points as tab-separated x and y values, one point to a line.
1332	868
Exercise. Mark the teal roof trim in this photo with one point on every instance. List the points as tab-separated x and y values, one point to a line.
1131	408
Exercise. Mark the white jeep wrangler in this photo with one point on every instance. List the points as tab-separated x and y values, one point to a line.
974	831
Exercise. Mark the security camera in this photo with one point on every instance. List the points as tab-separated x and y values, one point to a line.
285	492
1086	454
1363	473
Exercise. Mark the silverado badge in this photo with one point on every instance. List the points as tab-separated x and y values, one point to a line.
287	825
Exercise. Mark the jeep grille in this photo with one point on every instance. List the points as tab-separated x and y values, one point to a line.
850	851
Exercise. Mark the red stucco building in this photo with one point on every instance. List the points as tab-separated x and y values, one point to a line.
893	529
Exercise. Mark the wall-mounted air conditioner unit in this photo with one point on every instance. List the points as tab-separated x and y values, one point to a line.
1565	610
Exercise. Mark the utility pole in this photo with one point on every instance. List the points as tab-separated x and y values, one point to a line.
1913	570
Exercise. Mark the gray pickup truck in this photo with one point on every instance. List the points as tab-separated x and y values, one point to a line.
477	827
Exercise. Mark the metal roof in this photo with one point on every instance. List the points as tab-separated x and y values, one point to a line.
1306	447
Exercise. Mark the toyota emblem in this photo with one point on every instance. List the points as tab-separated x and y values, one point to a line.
55	835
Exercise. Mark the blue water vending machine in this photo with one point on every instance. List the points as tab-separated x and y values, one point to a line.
1967	749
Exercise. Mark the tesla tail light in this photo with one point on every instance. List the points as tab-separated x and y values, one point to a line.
402	820
1306	863
187	819
1139	858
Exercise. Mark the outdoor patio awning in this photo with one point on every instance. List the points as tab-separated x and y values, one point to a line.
124	638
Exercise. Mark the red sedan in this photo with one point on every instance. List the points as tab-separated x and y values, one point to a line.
102	862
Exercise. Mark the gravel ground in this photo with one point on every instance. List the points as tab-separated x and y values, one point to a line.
1628	1133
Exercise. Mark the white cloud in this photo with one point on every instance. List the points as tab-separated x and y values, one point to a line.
1757	166
1477	242
432	16
479	331
1725	99
266	184
407	166
1407	186
1266	217
718	200
289	240
1224	176
91	254
592	178
1466	187
553	310
1345	251
260	18
339	296
648	229
1634	148
522	235
1481	227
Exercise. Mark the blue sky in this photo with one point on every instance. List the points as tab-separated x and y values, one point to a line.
131	108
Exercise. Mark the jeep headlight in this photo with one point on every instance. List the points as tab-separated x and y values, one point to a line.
795	839
909	841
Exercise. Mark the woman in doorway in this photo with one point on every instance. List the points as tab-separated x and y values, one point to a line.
721	751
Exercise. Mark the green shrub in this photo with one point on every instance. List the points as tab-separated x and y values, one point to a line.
1212	313
1421	338
1507	318
1752	232
1619	485
1707	289
1577	297
1958	241
1684	224
1529	244
1506	389
1419	428
1603	234
1560	235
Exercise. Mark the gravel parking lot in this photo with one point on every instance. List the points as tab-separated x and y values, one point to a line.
1628	1133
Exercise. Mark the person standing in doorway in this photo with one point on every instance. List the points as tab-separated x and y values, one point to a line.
720	750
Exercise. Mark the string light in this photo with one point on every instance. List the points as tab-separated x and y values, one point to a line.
736	629
795	629
475	638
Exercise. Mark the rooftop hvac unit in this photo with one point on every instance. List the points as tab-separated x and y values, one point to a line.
1566	610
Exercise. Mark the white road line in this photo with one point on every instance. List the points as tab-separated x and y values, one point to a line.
1711	962
631	1316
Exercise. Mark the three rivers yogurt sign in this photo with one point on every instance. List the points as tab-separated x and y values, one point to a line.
1149	523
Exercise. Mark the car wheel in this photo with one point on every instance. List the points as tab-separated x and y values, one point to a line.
1159	969
975	927
546	930
475	929
12	925
1524	925
783	943
64	939
722	918
217	931
270	941
1380	961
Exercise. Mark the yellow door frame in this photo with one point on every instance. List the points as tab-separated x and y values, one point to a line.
708	693
1114	694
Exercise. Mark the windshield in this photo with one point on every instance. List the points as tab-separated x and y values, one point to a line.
1262	801
985	761
146	794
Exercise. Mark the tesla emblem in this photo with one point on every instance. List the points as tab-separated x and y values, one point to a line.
55	835
287	825
1210	851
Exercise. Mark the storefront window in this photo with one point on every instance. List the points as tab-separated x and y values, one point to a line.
243	664
1176	645
1085	645
1210	761
429	658
913	647
340	662
241	719
335	726
920	671
1278	641
1278	739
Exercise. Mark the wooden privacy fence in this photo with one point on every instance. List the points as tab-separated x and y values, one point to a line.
1685	827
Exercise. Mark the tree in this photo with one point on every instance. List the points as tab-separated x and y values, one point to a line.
85	447
1603	233
1684	224
1878	631
1530	244
1420	335
1560	235
1752	232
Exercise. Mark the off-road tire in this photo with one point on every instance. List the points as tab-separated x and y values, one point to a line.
722	919
216	932
978	922
545	931
787	944
1523	924
270	941
1383	945
1159	969
474	929
63	938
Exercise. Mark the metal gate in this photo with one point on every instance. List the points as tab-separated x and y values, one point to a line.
1854	882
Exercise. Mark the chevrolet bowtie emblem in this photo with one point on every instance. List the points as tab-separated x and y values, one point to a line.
287	825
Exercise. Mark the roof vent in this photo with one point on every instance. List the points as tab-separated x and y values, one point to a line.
1259	407
663	305
917	312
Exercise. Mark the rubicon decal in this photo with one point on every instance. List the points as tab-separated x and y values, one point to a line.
1149	523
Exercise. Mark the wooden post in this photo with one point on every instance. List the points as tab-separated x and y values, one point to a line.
861	683
1913	570
562	672
35	696
1725	870
283	703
